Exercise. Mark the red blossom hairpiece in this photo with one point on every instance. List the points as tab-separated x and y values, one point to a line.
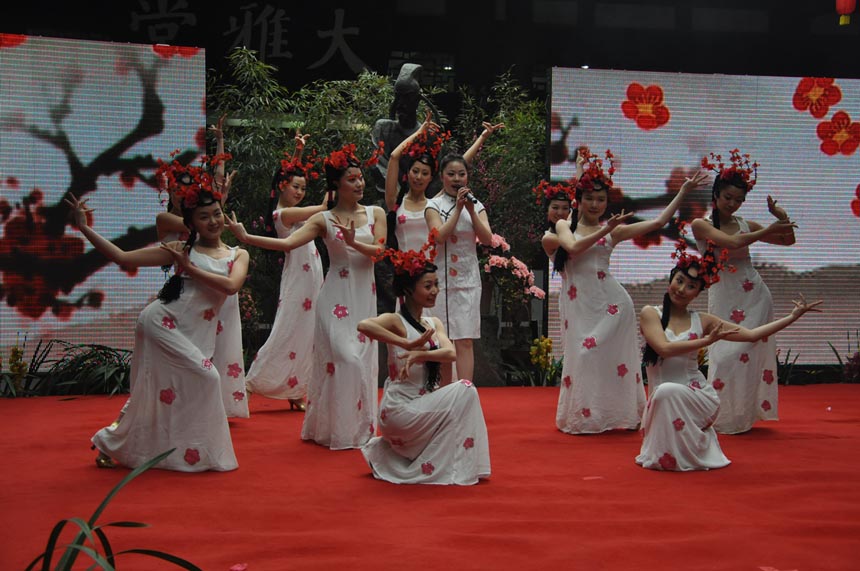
709	266
188	181
345	157
296	166
428	142
545	190
593	170
740	164
411	261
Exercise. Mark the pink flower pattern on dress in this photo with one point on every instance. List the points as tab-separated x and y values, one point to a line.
372	429
343	273
469	443
362	338
396	441
454	258
207	364
565	323
622	370
427	468
738	315
306	267
307	304
167	396
339	235
340	311
765	405
718	384
401	219
678	424
612	309
382	414
601	274
292	382
566	381
744	358
238	396
695	385
586	412
192	456
392	371
234	370
452	272
466	382
668	462
767	376
589	343
329	368
571	292
292	355
601	242
209	314
219	328
747	285
230	267
453	239
693	336
168	322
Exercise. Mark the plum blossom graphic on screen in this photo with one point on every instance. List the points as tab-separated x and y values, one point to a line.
855	204
645	106
839	135
816	95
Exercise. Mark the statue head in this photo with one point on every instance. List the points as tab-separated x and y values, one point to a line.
407	94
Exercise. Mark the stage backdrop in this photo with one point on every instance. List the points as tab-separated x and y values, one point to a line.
89	118
804	133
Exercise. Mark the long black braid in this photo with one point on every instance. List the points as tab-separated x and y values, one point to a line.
720	182
404	284
649	355
172	288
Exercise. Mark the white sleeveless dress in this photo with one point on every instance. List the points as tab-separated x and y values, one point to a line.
175	387
343	391
284	363
437	437
678	421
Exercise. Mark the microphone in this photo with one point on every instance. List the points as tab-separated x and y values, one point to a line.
469	195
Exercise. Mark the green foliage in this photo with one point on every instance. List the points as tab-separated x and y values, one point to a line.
89	369
91	537
510	163
22	378
785	367
850	366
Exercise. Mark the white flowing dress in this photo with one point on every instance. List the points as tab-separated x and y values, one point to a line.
601	386
343	391
458	304
744	374
229	358
411	232
175	388
437	437
677	426
284	363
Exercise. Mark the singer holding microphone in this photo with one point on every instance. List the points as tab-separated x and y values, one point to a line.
458	304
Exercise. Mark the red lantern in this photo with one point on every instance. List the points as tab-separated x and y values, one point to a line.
844	9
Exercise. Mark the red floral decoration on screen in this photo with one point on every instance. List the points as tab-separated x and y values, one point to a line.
11	40
839	135
739	164
816	95
645	106
188	181
167	51
855	204
545	190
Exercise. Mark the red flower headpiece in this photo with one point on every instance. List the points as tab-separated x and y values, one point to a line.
298	165
428	142
187	181
409	261
740	164
345	157
593	170
709	266
545	190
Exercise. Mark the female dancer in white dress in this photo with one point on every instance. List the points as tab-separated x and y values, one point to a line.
176	395
430	434
459	301
746	373
601	386
682	406
284	363
343	390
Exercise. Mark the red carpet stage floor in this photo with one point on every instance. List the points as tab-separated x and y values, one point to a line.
789	501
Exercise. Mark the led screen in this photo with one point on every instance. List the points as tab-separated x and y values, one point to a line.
802	131
89	118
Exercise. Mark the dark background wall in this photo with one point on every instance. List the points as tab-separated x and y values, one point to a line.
471	42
